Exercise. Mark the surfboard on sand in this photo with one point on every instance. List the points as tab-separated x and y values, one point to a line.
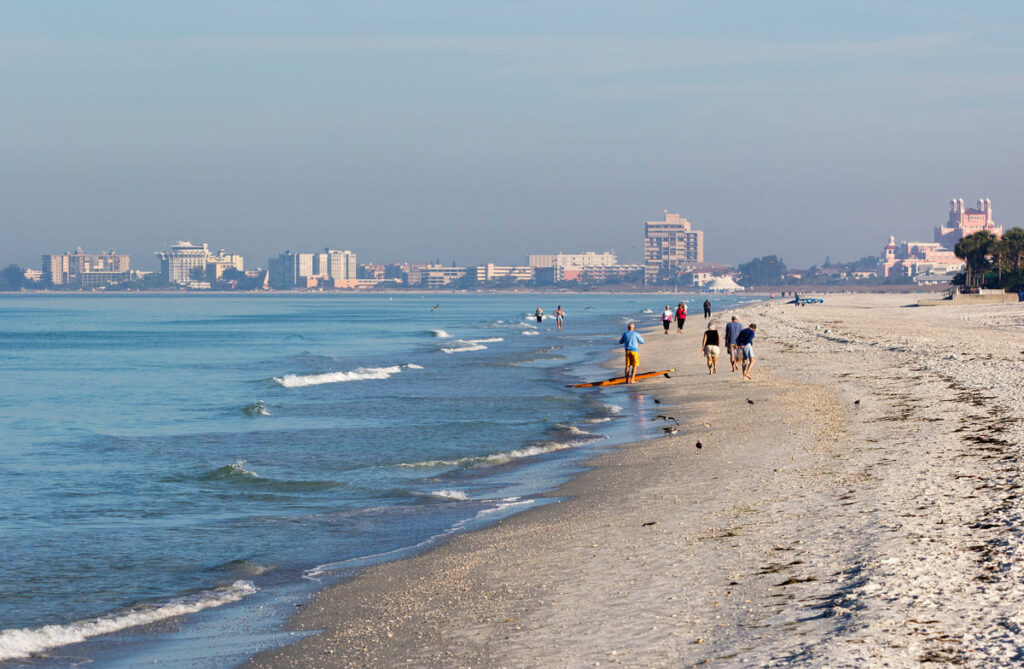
619	380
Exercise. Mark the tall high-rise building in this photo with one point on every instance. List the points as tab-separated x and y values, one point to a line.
670	246
571	261
341	264
184	263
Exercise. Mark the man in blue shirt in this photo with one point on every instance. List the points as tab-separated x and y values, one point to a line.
745	340
732	330
632	340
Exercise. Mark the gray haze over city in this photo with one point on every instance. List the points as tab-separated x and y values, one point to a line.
473	131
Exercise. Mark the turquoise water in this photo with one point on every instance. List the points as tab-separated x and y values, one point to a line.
141	479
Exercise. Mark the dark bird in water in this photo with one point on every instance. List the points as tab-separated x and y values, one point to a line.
856	401
648	524
435	307
750	401
671	429
657	401
699	445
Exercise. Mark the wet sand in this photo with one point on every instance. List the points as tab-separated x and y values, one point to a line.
808	530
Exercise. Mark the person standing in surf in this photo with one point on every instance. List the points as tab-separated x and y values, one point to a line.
559	315
666	318
632	340
539	314
680	317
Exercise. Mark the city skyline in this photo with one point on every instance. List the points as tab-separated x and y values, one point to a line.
448	130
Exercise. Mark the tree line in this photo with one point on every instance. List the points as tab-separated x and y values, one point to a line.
990	261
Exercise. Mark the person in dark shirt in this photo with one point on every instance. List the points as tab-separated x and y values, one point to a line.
709	346
732	330
707	309
745	341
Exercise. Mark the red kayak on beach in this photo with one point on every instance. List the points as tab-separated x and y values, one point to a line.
619	380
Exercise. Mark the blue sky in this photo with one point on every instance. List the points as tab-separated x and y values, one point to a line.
473	131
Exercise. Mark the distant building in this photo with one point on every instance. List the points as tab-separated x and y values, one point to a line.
491	272
572	260
220	261
34	275
371	271
339	265
670	246
438	276
910	259
184	264
67	269
326	269
963	222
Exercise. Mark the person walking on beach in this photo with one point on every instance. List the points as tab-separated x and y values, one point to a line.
666	318
632	340
559	315
745	340
709	346
680	317
707	309
539	314
732	331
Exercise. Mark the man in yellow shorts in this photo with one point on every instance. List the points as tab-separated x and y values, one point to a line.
632	340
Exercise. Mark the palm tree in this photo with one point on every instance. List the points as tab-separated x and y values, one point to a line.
974	250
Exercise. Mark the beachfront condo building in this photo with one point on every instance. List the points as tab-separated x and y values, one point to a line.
217	263
67	269
184	263
670	247
572	261
491	272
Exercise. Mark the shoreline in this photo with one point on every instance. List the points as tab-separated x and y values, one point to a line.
808	529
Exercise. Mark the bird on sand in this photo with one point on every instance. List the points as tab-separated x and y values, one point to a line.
750	401
856	401
671	429
435	307
648	524
699	445
657	401
667	375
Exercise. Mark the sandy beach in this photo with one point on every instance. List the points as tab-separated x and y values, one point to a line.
809	529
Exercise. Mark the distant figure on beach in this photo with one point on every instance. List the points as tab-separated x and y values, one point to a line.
539	314
559	315
680	316
707	309
632	340
709	346
732	331
666	318
745	340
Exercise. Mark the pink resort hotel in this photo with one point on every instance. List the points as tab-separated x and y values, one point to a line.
937	257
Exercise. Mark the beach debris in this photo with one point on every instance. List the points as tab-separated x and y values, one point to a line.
856	401
699	445
707	425
750	401
649	523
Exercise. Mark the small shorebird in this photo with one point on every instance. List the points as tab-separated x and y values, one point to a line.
671	429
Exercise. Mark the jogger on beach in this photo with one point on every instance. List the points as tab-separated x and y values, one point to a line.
632	340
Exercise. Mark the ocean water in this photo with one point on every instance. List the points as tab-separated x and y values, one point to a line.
165	455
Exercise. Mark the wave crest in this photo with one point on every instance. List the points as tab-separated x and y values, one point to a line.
25	642
359	374
464	345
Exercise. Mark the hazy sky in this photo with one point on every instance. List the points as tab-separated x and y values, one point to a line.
474	131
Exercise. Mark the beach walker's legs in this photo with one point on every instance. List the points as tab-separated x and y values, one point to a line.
714	364
748	364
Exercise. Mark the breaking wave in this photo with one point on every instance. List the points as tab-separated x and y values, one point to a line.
464	345
494	458
360	374
237	473
25	642
440	334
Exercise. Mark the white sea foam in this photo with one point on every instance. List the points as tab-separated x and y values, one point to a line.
413	366
530	332
464	345
599	420
493	458
612	408
360	374
450	494
441	334
25	642
238	467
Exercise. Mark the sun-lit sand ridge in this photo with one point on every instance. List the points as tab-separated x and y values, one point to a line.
809	530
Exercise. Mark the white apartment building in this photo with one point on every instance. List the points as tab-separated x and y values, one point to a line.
583	260
179	264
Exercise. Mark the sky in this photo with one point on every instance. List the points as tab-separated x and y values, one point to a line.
473	131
